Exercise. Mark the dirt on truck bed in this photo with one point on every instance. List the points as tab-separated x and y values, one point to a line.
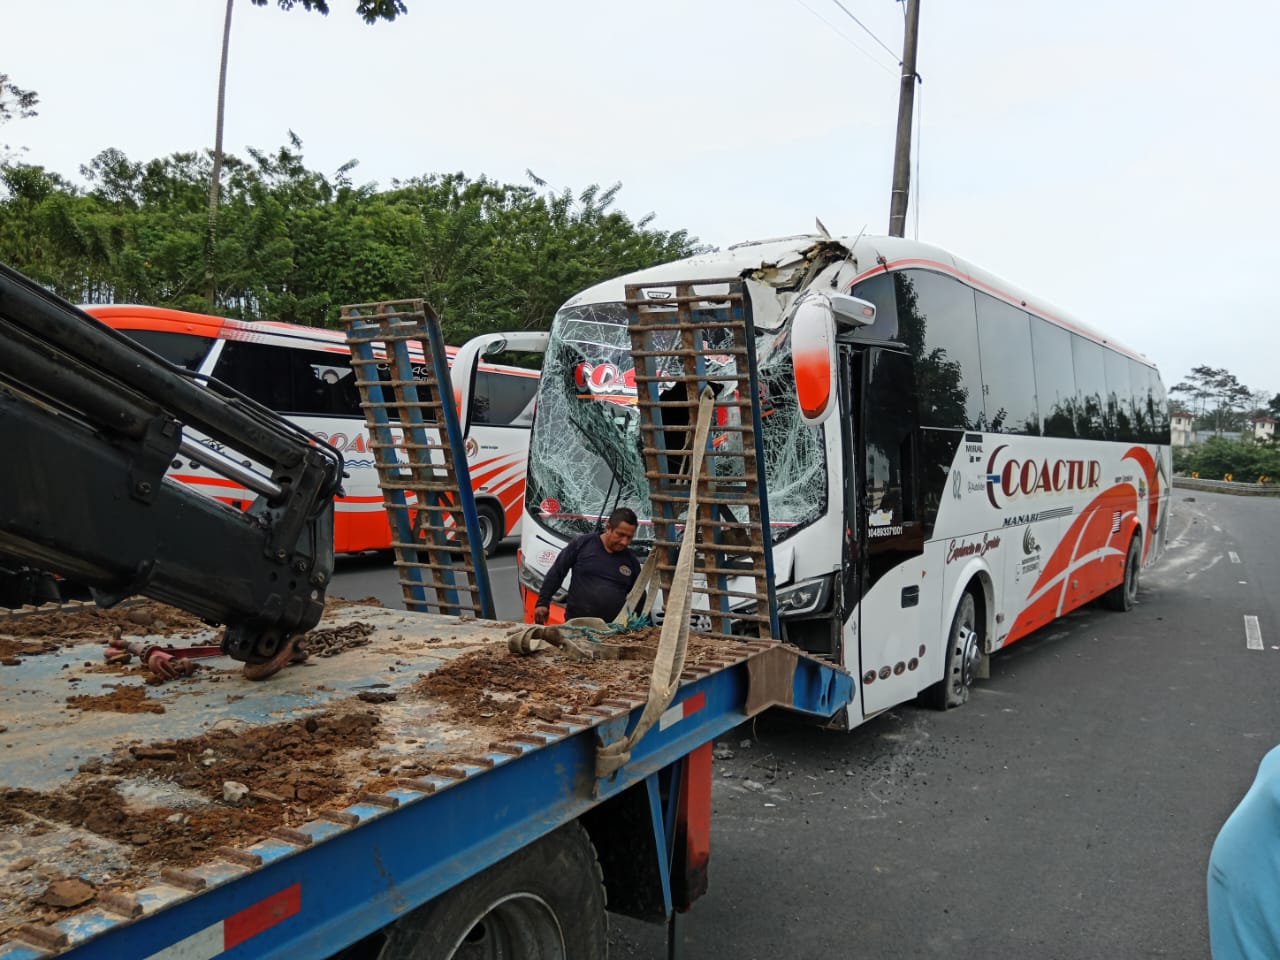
110	776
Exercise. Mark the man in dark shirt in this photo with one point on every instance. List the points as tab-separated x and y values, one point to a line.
603	568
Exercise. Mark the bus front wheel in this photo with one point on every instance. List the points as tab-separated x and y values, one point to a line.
963	657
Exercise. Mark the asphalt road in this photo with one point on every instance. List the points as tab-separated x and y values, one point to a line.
1066	812
373	575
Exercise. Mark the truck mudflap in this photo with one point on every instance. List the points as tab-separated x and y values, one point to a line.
369	782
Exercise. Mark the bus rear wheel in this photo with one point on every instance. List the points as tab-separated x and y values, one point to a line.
544	902
963	657
1122	597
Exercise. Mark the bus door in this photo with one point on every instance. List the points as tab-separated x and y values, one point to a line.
890	533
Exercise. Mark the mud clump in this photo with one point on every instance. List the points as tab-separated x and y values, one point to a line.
296	761
291	769
122	699
492	687
94	624
36	633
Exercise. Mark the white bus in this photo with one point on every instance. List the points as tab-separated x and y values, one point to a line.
305	373
984	463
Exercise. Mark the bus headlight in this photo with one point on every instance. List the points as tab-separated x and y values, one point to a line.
798	599
531	580
806	597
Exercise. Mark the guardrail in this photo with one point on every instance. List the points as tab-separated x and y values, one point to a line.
1228	486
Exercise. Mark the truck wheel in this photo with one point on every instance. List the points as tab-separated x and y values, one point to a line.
491	528
963	657
1121	598
544	902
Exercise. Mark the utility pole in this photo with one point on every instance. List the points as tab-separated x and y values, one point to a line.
906	105
215	178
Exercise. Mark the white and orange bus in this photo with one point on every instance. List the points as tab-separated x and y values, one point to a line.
305	373
950	463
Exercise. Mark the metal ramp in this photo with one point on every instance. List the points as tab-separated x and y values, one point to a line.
422	468
684	337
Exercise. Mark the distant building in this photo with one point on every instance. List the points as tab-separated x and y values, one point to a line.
1181	428
1264	428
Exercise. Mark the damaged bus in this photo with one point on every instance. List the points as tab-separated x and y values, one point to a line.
975	463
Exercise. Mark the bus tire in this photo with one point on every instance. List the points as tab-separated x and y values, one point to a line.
491	527
544	902
963	657
1121	597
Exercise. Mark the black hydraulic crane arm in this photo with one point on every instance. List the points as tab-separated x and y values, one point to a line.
89	423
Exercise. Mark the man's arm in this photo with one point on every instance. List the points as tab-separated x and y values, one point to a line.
555	576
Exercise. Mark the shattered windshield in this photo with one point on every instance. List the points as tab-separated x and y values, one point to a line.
585	453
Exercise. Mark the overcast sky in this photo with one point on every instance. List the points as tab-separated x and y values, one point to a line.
1117	159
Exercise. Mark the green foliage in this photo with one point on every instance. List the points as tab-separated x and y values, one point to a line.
295	245
14	101
15	104
371	10
1244	460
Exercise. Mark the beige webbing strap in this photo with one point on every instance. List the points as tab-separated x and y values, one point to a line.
576	638
638	588
674	639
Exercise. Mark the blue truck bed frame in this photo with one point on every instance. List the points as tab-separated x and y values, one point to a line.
310	890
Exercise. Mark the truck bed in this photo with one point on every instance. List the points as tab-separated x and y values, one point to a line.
115	804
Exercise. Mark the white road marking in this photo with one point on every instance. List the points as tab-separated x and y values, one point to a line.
1235	557
1252	633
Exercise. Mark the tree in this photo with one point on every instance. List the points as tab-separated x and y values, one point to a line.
1216	397
1243	460
15	104
294	244
371	11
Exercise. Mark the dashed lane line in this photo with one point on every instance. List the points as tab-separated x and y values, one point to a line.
1235	557
1252	633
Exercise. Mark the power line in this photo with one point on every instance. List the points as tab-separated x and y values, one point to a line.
843	36
867	30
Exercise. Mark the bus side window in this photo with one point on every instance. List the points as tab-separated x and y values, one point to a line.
889	421
1092	415
1008	374
258	371
1120	417
181	349
1055	378
290	381
503	399
938	324
879	290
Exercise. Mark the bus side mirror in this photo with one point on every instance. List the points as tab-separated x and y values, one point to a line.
852	311
813	358
465	362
